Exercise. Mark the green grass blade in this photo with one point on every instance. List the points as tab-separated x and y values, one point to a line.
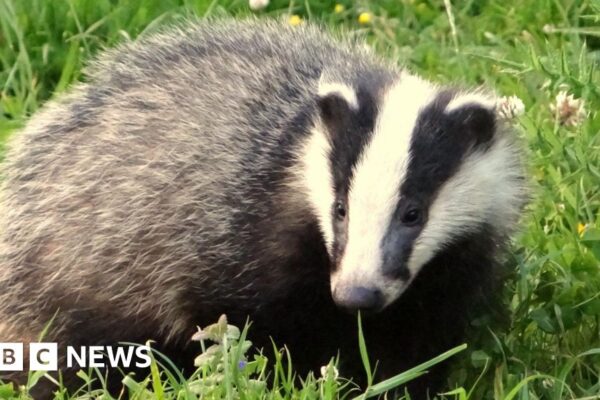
410	374
364	355
157	385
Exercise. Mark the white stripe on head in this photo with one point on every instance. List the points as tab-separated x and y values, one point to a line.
374	190
316	166
339	89
318	181
481	99
487	188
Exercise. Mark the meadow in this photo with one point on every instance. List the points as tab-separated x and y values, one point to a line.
544	52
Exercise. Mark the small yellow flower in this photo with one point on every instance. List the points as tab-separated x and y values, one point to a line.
365	18
295	20
339	8
581	228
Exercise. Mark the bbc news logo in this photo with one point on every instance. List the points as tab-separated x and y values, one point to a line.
44	356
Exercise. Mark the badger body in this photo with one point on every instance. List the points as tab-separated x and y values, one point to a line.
265	172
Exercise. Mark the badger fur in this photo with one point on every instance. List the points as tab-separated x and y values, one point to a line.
262	171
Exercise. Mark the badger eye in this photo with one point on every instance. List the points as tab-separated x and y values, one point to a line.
412	217
340	210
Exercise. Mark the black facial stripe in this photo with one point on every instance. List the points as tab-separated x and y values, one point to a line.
439	143
397	246
351	137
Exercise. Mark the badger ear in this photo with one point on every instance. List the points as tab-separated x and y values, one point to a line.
336	103
473	116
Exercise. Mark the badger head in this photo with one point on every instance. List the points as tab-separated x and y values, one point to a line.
399	173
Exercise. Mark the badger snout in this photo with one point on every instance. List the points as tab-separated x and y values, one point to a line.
354	298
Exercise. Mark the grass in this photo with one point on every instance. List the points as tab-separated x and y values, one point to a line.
534	49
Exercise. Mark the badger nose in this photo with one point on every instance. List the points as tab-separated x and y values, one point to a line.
359	298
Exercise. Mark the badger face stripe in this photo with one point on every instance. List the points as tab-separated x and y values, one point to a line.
455	145
480	99
374	189
331	150
471	198
434	154
341	90
318	181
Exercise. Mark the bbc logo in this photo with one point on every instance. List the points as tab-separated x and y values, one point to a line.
42	356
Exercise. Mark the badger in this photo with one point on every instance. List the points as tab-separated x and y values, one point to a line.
282	175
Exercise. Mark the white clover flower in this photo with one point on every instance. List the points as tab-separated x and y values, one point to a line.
548	28
510	107
330	371
257	5
569	110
